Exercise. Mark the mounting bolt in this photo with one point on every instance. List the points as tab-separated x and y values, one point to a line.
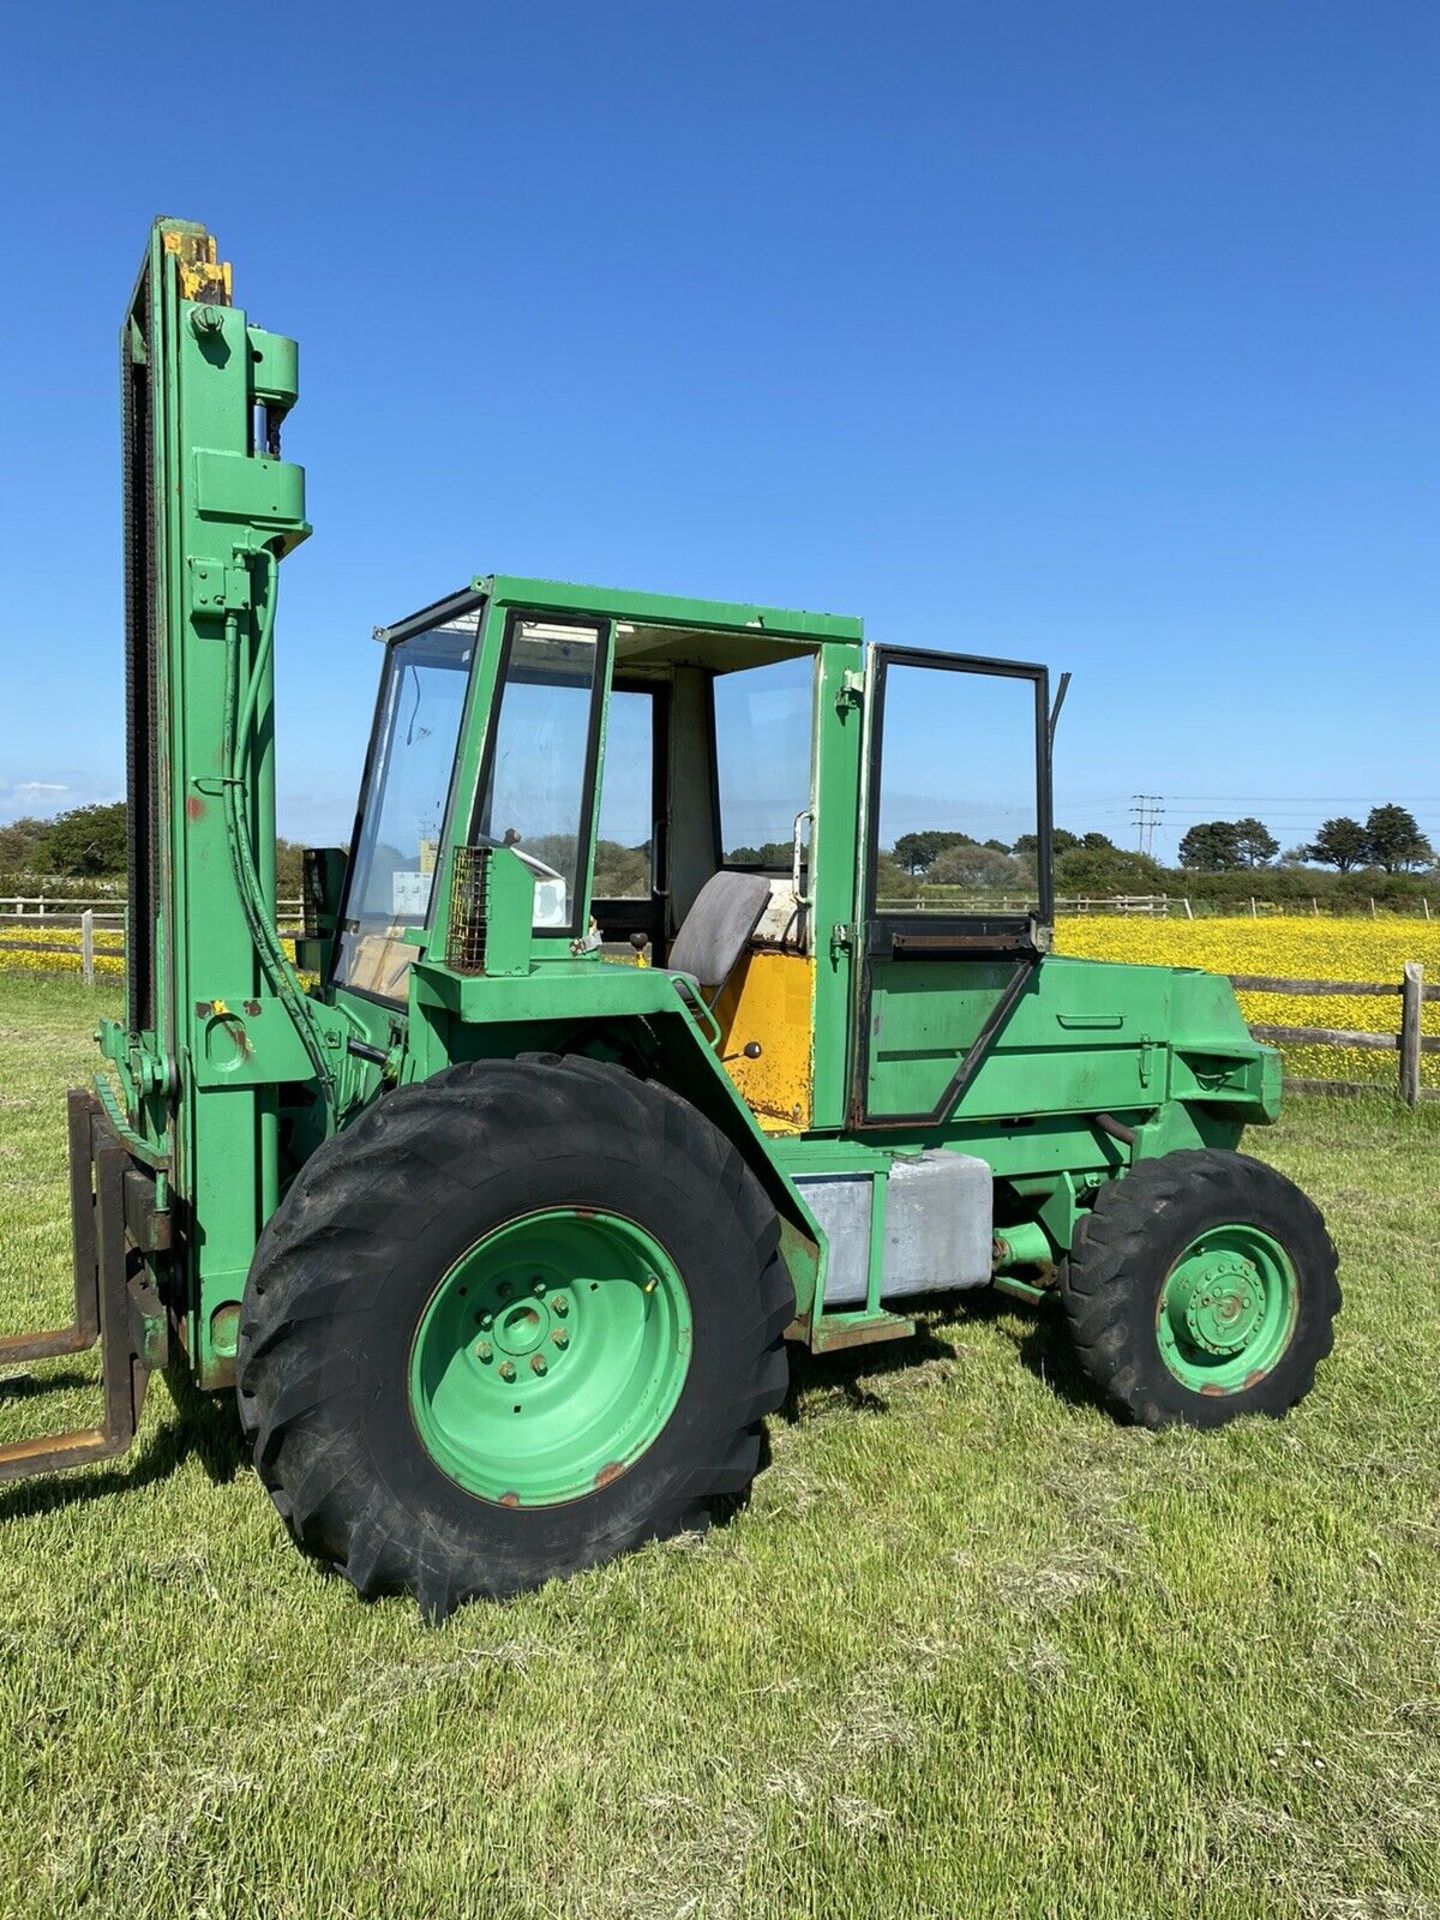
483	1351
506	1289
561	1338
537	1363
507	1369
487	1319
205	321
652	1280
537	1285
560	1305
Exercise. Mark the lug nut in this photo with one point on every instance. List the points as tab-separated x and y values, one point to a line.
487	1319
537	1363
560	1305
482	1352
537	1286
507	1369
560	1337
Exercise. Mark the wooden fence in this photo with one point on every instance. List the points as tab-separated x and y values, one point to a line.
78	916
1409	1042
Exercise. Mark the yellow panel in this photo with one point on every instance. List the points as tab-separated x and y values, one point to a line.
202	275
770	1003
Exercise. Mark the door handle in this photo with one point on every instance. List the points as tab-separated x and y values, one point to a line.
797	856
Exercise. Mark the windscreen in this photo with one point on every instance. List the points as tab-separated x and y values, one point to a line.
392	872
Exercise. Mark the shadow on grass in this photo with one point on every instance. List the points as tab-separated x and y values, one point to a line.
859	1372
1041	1340
1037	1333
198	1426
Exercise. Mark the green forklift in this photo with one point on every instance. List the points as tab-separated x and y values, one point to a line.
618	1053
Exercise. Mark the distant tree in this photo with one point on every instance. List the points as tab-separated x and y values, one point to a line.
1212	846
289	869
1101	870
995	846
1257	845
971	865
771	853
22	844
1341	843
915	851
621	873
87	841
1393	839
1063	841
1098	843
1297	856
893	884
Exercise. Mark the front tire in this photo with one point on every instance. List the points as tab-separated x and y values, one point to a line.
515	1321
1202	1286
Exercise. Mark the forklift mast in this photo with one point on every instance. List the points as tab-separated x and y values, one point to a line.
216	1020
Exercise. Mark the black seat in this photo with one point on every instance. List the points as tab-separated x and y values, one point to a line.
717	929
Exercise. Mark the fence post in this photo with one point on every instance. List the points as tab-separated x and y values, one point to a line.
1412	999
1189	910
87	946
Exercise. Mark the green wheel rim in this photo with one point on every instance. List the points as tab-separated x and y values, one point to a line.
550	1357
1227	1309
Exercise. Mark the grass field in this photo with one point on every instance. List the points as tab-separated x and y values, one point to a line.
972	1649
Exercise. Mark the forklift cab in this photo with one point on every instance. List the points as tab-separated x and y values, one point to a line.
844	852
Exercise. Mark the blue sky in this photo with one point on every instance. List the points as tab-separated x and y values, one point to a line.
1103	334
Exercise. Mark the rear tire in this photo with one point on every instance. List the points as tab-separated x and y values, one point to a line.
1201	1287
623	1260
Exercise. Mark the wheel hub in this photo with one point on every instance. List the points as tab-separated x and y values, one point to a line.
520	1330
1225	1306
550	1357
1227	1309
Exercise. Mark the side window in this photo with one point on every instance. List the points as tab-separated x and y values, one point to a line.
764	717
628	805
957	803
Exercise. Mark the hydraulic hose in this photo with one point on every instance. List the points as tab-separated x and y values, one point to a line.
238	731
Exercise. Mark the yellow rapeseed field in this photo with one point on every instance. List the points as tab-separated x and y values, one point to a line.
1302	948
1327	948
109	949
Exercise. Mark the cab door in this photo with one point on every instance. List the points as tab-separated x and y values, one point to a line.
955	887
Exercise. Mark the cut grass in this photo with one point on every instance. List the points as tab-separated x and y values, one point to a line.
972	1649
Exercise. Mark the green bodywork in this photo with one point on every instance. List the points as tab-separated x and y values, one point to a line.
230	1071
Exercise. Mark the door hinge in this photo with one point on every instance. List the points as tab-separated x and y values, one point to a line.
842	939
852	690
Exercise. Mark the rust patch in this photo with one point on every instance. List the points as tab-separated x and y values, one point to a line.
194	807
1215	1393
608	1474
509	1499
1251	1378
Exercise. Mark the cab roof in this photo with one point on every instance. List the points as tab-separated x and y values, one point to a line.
667	610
